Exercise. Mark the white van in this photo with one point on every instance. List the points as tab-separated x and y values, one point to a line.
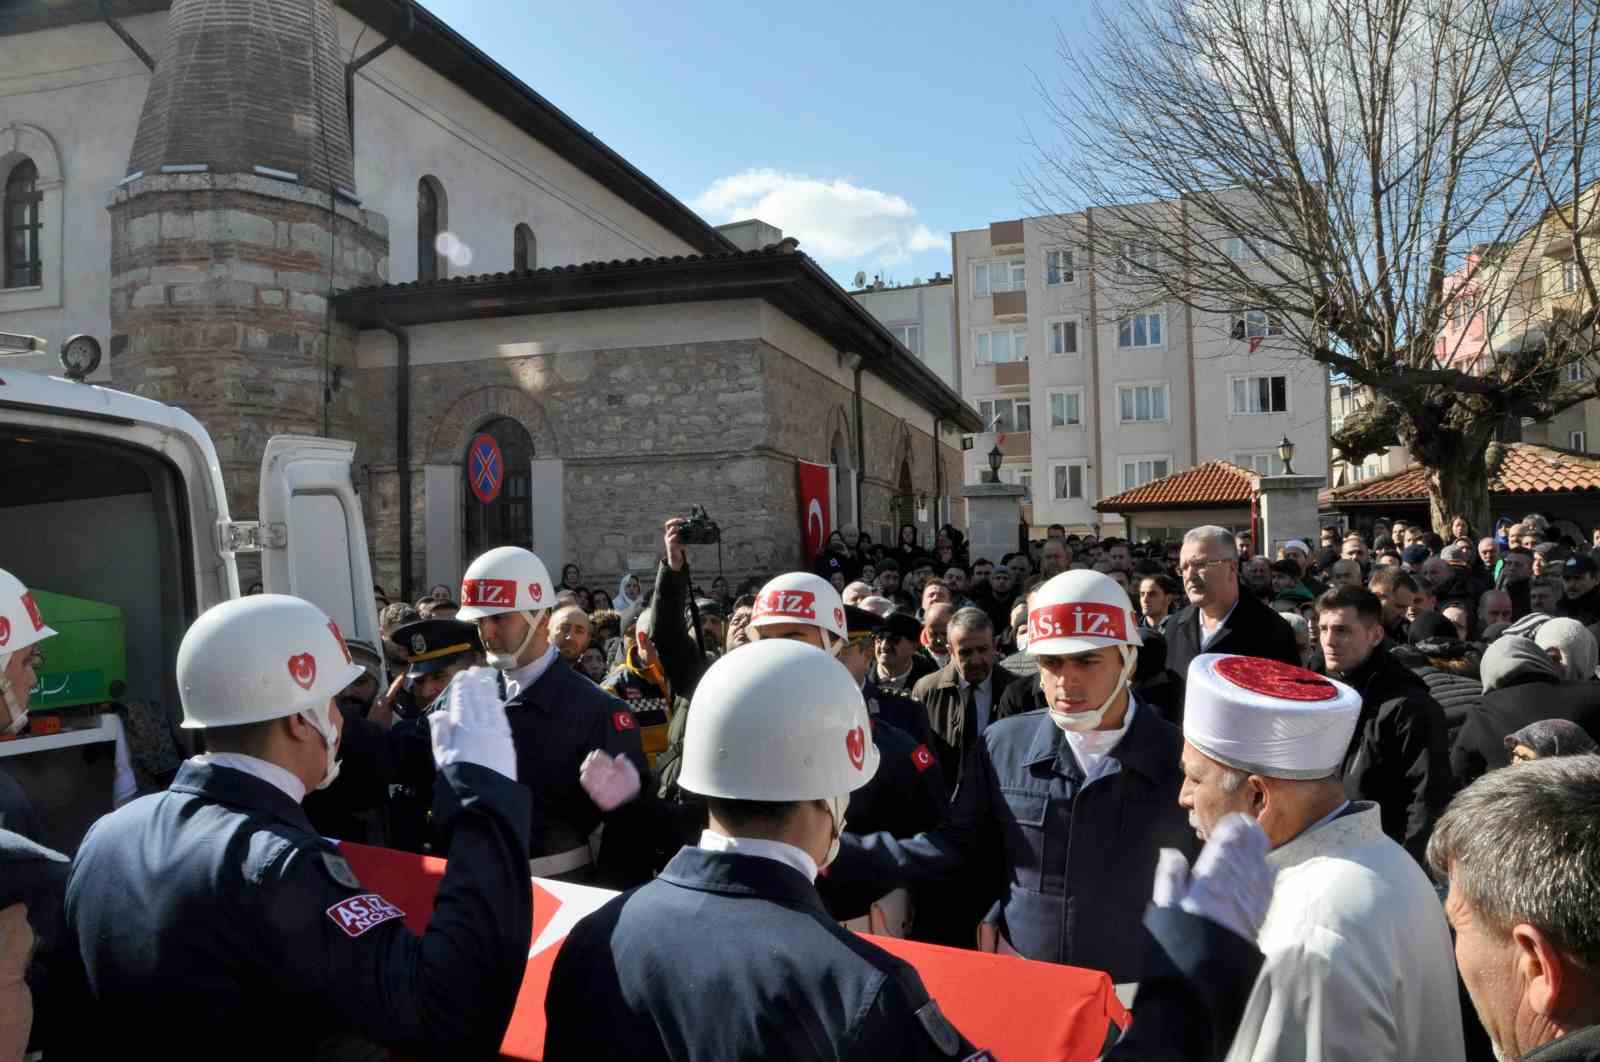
113	499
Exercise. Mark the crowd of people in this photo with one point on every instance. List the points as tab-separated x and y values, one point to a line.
1385	743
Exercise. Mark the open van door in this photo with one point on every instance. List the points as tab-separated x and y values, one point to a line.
313	538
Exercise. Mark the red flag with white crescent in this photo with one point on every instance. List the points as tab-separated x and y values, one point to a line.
816	485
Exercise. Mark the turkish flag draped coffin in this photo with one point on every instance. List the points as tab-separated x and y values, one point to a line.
816	521
1018	1009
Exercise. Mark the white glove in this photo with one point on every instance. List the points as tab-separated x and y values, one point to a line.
1232	880
470	726
610	781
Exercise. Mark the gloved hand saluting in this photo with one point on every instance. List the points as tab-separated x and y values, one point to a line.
470	724
1231	883
610	781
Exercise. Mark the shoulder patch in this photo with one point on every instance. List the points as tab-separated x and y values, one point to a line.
358	914
339	870
623	721
939	1030
922	758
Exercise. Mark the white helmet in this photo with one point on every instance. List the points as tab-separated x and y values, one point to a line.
261	657
801	597
1079	612
777	721
505	579
21	626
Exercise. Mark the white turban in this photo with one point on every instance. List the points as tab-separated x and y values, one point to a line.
1268	718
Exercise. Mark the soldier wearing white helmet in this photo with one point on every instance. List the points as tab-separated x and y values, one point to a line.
577	748
22	628
218	899
803	607
777	740
1074	796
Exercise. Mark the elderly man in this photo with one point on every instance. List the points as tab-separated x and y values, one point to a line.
1218	618
856	591
1488	552
935	642
1521	852
1400	758
1357	951
899	665
1494	606
963	697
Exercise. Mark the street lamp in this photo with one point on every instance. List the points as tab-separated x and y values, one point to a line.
1286	451
994	465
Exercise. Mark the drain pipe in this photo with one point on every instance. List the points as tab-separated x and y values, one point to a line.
402	444
861	454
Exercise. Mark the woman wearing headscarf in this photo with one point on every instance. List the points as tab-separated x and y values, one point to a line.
1522	685
628	592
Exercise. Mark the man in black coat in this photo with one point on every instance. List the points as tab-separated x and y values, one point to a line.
1218	618
1398	756
1580	578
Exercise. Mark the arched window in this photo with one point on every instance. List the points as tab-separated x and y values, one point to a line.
23	268
525	253
430	222
506	519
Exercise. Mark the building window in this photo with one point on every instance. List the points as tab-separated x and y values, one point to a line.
1260	394
1265	463
1569	276
1058	268
1066	408
1001	274
1256	324
1066	481
1142	403
999	345
1574	372
1061	336
1140	330
525	250
430	222
1579	441
910	336
1137	471
23	268
1014	414
1134	255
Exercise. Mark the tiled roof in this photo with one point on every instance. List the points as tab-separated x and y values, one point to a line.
1215	483
1524	468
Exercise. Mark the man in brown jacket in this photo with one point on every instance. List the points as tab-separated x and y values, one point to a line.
963	697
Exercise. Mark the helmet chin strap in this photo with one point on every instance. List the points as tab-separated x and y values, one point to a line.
508	661
1081	721
18	712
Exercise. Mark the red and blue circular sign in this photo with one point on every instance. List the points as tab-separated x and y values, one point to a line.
486	468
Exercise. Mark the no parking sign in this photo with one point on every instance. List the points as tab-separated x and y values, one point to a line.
486	468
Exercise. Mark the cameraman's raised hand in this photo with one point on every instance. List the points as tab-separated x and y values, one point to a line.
675	557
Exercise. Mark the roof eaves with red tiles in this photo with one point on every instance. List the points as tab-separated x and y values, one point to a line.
1215	484
1525	468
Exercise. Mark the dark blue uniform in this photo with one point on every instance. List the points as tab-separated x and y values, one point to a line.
1070	863
215	910
906	714
732	958
555	724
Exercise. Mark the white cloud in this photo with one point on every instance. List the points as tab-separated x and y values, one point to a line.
834	220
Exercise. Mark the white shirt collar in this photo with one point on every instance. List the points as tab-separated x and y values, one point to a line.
530	673
280	778
1091	748
787	854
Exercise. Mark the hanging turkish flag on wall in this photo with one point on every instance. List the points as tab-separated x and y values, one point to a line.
816	523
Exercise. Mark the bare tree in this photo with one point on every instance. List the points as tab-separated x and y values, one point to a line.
1350	178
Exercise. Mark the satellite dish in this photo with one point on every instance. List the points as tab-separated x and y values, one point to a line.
861	278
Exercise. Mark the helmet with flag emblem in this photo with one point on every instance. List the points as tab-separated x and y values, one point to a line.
777	721
258	658
21	626
505	579
1079	612
803	598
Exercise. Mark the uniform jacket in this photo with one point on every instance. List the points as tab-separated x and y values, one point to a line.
899	710
955	728
218	905
1252	629
555	724
732	958
1359	962
1398	756
1480	746
1071	864
921	666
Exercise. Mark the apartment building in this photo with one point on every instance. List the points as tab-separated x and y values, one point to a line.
1088	392
921	315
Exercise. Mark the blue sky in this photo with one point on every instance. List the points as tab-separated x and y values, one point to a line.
868	130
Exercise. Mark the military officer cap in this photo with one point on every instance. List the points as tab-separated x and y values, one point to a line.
900	625
860	621
433	644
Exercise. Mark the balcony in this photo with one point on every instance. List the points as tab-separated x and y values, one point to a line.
1005	233
1010	304
1017	444
1011	374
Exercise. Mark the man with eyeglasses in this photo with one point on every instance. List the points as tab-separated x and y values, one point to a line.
1218	619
